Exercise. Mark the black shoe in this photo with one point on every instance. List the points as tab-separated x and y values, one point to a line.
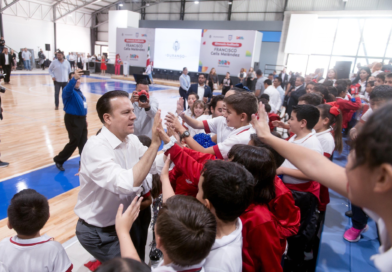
349	214
59	166
3	164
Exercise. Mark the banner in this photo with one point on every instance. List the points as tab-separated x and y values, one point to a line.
133	43
177	48
227	50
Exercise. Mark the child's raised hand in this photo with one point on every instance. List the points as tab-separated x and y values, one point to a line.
125	220
165	170
180	106
172	120
260	123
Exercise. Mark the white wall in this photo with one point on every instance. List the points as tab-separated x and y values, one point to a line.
72	38
33	34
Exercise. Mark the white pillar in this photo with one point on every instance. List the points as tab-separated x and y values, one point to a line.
120	19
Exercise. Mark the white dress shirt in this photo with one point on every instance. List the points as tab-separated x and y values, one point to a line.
145	119
200	91
106	177
71	57
7	59
274	98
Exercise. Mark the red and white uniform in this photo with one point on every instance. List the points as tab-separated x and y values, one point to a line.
40	254
348	108
328	144
227	137
262	248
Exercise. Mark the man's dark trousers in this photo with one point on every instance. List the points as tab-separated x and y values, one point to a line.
57	86
77	134
7	72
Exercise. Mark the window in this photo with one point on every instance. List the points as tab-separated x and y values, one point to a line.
347	37
375	37
97	50
297	63
316	62
323	36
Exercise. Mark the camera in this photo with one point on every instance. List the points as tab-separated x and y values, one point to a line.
143	96
2	89
86	73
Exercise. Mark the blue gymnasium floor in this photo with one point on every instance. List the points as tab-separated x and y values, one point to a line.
335	253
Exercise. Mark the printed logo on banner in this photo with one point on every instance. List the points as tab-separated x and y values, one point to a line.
144	35
202	69
230	37
176	46
248	53
240	38
134	56
223	63
137	35
135	41
227	44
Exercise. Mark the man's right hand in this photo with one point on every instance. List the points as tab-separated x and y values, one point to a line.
78	73
134	97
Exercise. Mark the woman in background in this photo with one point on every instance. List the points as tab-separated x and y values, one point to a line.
13	64
117	65
250	79
103	65
212	80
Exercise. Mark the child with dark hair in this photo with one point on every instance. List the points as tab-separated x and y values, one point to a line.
231	129
263	246
305	191
367	178
271	116
28	250
348	106
283	205
310	99
123	265
185	232
265	96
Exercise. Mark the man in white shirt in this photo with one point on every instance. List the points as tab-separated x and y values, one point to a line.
145	110
274	96
72	60
113	166
26	55
185	84
201	89
277	84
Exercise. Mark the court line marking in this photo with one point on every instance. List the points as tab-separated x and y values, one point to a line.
32	170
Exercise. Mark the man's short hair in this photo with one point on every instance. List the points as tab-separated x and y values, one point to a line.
123	264
381	76
243	103
309	113
301	78
195	94
229	188
143	81
28	212
238	90
389	75
270	74
215	99
183	69
279	79
265	96
259	72
268	81
311	99
104	104
202	75
382	92
187	230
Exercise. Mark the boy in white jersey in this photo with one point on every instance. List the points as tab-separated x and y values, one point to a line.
28	250
231	129
185	231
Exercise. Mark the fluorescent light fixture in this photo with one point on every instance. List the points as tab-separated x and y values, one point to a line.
196	2
230	3
120	5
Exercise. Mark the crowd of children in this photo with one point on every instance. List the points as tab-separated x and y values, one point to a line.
250	201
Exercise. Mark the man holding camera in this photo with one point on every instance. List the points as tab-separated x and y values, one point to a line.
75	108
145	108
59	70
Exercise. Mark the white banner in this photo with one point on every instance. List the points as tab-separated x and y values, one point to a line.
132	45
227	50
177	48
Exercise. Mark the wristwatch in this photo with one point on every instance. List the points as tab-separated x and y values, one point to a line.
185	134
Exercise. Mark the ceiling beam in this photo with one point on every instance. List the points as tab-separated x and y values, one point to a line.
75	9
10	4
101	23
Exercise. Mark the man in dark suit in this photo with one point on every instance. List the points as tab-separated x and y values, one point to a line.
5	64
295	93
201	89
284	77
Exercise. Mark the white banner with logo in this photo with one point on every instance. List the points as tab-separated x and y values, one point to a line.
177	48
133	45
228	50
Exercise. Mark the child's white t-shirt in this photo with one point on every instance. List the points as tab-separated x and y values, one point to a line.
309	141
194	131
36	254
383	260
177	268
218	126
367	114
327	142
226	253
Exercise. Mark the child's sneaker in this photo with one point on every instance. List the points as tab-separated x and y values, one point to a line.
353	235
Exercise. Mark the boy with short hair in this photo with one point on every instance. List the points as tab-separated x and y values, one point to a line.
231	129
310	99
28	250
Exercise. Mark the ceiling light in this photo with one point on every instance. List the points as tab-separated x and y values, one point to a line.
120	5
230	3
196	2
147	5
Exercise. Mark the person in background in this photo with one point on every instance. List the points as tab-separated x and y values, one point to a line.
259	83
271	77
212	80
103	65
295	93
226	83
2	44
331	76
250	79
274	73
41	57
278	86
75	108
377	68
5	64
242	76
71	59
79	61
126	66
59	70
274	96
149	71
201	89
13	64
185	84
117	65
362	79
26	55
284	78
66	57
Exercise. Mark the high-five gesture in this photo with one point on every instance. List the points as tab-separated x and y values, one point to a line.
180	106
157	124
172	120
261	124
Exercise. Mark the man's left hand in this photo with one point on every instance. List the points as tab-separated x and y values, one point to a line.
144	105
